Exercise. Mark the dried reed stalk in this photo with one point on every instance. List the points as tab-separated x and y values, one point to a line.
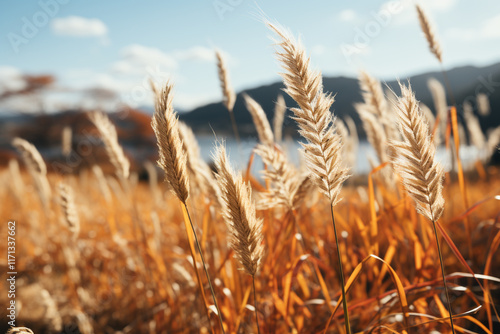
429	117
245	230
430	35
194	163
324	146
476	134
101	181
66	140
441	106
173	160
260	120
110	139
229	97
376	103
67	202
493	142
374	132
279	117
228	94
37	168
30	156
352	143
483	104
172	157
421	174
283	178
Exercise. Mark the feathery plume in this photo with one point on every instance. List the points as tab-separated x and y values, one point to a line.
440	104
422	175
324	146
194	162
492	144
245	229
376	103
30	155
429	33
476	135
374	132
260	120
372	93
172	156
279	117
282	177
227	91
352	143
37	168
323	149
68	207
483	104
110	139
429	116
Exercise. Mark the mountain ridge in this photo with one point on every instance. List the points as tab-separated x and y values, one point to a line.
465	81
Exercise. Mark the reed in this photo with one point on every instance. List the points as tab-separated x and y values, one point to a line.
173	160
422	175
109	137
245	230
228	94
324	146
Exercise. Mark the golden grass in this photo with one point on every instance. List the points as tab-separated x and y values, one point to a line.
118	275
128	258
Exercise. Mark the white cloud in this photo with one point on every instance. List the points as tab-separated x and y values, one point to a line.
489	29
135	59
11	79
79	26
347	15
200	53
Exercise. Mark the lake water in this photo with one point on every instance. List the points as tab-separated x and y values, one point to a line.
240	154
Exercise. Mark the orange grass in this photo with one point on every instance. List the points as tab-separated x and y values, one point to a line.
133	286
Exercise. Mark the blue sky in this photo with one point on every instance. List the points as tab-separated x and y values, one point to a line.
118	45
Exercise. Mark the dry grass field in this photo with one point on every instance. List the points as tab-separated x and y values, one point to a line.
100	253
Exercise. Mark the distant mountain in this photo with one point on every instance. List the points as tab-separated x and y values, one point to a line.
465	83
136	136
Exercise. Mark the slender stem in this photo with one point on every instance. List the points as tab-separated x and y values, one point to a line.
344	300
255	304
235	127
205	268
448	86
444	277
192	251
453	103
